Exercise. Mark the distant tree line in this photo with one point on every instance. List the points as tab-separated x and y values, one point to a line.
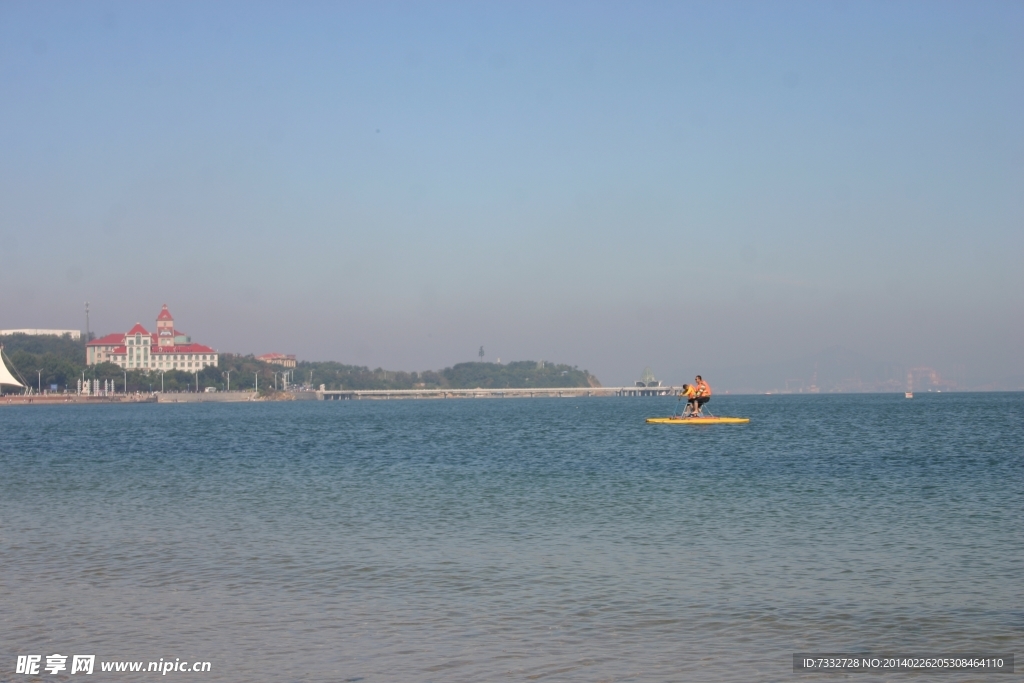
515	375
61	361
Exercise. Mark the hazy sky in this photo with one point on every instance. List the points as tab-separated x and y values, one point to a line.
689	187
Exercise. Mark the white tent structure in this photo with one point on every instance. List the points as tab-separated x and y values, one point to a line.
5	375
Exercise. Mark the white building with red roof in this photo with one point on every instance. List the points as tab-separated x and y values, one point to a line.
139	349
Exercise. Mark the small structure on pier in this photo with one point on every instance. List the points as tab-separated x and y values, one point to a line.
648	380
647	385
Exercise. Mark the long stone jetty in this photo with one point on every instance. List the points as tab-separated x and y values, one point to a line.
563	392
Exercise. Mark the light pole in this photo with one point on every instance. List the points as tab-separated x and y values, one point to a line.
40	380
228	373
161	381
257	382
125	382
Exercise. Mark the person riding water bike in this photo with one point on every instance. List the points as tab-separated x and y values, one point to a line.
702	394
689	392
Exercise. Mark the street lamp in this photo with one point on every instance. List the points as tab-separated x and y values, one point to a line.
257	382
161	381
125	382
40	379
228	373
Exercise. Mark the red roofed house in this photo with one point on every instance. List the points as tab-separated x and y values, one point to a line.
287	361
138	349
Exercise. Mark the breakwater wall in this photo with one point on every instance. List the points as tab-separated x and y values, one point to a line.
202	397
564	392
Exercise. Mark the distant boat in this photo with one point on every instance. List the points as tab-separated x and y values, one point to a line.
909	394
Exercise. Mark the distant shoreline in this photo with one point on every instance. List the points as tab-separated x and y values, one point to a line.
340	394
407	394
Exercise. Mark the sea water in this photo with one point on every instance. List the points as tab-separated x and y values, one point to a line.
510	539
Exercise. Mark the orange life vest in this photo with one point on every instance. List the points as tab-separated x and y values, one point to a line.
703	389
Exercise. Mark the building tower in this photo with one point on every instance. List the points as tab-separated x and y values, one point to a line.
165	327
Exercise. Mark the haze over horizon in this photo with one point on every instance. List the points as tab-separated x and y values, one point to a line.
690	187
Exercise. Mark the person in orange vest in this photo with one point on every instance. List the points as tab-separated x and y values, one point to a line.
703	393
689	392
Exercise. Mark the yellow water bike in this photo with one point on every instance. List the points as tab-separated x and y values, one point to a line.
699	416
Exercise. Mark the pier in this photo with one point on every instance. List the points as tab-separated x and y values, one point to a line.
563	392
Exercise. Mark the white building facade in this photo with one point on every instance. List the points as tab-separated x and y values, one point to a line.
139	349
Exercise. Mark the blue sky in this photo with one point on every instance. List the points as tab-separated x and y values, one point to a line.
690	187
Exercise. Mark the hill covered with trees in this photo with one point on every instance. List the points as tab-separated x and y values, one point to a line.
515	375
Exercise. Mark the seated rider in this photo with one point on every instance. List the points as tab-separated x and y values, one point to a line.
703	394
689	392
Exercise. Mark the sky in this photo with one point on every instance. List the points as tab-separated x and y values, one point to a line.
693	187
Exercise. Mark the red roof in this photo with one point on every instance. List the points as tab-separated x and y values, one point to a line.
115	339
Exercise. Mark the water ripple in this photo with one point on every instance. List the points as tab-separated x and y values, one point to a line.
548	540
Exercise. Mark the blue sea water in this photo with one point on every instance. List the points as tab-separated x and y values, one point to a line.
511	539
